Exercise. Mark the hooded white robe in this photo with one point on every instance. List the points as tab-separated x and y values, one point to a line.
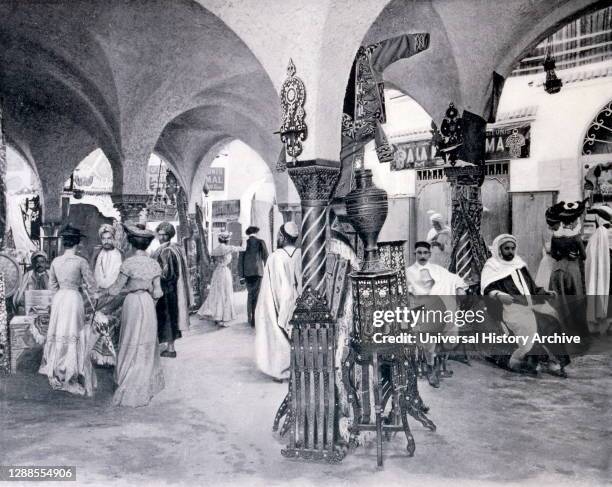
281	285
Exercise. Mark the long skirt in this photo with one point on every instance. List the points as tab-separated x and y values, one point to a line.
138	373
567	281
544	271
66	358
218	305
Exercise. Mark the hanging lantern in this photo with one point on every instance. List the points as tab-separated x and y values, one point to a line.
552	84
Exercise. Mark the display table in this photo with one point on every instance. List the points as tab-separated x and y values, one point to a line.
21	340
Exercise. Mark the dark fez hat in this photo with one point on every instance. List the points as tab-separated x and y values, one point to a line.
422	243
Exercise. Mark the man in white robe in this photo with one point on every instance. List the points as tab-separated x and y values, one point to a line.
108	260
597	271
435	289
440	239
281	285
525	312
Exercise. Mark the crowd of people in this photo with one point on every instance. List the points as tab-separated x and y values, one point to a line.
129	311
568	296
115	310
127	307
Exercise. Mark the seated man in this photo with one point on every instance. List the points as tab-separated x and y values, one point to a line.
505	277
435	288
36	279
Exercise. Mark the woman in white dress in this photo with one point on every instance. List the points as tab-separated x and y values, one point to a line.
219	305
66	357
138	374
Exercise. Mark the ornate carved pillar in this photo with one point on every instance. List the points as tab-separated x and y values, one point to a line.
469	249
49	239
2	182
314	181
5	359
130	206
463	139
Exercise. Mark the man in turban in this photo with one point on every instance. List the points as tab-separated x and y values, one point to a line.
524	312
36	279
107	259
439	237
173	306
281	285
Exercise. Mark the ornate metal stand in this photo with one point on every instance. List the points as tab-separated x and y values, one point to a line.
394	366
310	404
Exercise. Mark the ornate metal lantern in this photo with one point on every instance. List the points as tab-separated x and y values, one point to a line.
293	130
552	84
450	137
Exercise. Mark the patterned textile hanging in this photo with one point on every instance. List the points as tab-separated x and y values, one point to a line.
364	102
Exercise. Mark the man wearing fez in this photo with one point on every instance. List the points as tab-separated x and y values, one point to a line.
36	279
434	288
173	307
280	287
251	266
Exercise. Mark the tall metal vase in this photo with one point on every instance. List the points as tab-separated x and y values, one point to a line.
366	210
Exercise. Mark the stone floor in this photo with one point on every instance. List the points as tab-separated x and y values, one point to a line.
212	426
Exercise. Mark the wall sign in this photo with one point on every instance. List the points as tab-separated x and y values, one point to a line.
503	143
215	179
226	210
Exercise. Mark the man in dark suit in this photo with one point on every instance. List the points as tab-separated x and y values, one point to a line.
250	266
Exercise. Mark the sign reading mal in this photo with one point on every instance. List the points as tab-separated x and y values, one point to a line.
215	179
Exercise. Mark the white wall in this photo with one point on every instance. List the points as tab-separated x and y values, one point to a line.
557	131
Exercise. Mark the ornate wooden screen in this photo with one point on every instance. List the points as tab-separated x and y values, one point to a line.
312	388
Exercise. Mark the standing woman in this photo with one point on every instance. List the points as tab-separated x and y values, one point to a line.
66	361
218	305
138	373
567	276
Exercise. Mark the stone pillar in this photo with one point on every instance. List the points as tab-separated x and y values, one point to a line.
130	206
2	183
291	212
49	239
314	181
5	348
469	249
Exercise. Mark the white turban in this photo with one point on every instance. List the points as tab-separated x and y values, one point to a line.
436	217
106	228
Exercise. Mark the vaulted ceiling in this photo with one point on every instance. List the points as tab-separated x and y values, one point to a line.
180	77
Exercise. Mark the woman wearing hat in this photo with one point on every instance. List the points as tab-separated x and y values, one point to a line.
219	305
66	361
138	373
567	276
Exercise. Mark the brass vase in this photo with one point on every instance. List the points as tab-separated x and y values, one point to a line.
366	210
